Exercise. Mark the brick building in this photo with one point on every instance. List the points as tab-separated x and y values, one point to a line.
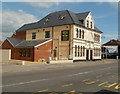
68	35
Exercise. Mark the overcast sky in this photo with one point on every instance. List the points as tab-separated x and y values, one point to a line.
14	15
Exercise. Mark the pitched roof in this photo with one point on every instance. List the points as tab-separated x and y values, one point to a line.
31	43
14	41
26	43
82	15
112	43
64	17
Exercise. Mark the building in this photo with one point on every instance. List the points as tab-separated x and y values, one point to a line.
70	36
111	49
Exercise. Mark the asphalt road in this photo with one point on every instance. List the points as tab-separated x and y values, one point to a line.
68	79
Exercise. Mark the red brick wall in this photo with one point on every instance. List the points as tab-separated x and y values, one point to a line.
21	35
7	45
40	52
15	52
43	51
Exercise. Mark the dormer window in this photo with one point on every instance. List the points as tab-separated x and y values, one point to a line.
47	20
87	23
62	17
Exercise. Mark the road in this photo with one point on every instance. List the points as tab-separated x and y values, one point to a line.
89	78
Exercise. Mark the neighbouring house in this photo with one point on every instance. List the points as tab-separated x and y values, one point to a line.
111	49
61	35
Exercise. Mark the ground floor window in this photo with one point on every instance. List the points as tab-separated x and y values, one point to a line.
24	52
83	50
75	50
97	51
79	51
20	52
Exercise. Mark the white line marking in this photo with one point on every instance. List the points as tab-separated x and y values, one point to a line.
89	71
79	73
22	83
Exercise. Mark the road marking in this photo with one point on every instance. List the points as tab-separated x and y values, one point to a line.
67	85
118	86
79	73
91	82
22	83
110	85
88	72
103	83
72	91
53	93
43	90
85	80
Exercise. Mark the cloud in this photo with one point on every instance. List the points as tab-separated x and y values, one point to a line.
43	4
60	0
12	20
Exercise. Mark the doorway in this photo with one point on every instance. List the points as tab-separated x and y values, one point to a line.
87	54
91	54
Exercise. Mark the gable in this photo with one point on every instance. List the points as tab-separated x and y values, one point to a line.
6	45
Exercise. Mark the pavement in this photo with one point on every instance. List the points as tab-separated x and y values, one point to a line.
43	66
82	77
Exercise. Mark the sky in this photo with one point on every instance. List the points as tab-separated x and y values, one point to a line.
16	14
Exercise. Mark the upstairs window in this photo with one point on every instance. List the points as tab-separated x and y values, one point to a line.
65	35
76	32
87	23
47	34
33	35
91	25
80	33
83	34
96	38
